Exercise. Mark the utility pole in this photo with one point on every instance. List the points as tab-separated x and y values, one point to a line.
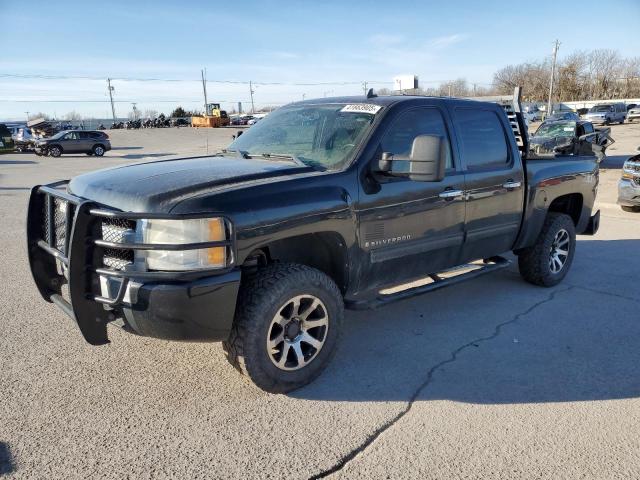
27	116
251	91
556	46
364	87
204	89
113	109
449	89
135	111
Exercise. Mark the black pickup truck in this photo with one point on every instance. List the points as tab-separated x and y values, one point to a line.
324	204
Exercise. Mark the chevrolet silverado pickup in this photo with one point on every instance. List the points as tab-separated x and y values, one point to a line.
324	204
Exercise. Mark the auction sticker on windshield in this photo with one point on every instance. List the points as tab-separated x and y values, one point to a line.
361	108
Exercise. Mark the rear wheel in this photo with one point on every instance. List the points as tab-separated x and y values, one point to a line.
98	150
286	327
55	151
547	262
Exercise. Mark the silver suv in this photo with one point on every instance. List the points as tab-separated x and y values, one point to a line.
74	141
634	114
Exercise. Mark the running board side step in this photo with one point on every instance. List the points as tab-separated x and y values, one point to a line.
432	282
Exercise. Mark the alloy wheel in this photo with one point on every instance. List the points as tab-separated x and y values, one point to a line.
559	251
297	332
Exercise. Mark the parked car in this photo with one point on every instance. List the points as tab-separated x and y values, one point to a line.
570	137
633	114
74	141
24	139
631	105
254	120
327	204
533	115
607	113
629	185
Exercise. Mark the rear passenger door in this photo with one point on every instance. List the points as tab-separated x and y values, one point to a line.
494	180
85	141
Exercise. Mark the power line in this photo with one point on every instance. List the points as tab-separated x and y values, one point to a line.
231	82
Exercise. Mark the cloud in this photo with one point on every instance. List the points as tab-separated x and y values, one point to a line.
447	40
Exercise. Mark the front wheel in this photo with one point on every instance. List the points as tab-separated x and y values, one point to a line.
547	262
55	151
286	328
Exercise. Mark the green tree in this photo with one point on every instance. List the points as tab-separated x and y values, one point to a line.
179	112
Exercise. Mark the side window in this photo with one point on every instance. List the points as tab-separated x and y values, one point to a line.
83	135
417	121
484	145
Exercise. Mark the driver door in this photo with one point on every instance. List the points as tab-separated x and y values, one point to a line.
71	142
409	229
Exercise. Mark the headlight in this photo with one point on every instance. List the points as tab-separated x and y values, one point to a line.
629	169
181	232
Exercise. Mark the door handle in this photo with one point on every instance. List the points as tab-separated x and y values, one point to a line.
450	194
510	185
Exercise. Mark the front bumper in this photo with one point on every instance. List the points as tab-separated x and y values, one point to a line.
629	192
78	268
596	120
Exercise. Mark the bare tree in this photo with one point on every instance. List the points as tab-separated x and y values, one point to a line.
73	116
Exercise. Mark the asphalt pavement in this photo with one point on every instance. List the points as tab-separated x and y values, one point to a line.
492	378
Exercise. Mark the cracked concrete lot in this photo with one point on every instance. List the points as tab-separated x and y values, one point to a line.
493	378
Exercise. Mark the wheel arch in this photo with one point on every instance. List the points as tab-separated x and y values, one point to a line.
325	251
571	204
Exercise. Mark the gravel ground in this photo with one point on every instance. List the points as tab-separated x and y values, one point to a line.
492	378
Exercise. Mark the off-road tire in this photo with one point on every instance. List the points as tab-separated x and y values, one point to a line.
260	298
533	262
628	208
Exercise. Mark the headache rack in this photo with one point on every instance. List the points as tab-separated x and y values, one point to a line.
76	243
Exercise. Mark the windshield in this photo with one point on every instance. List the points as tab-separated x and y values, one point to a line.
59	134
323	136
556	129
600	108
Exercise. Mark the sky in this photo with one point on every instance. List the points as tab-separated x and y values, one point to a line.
335	45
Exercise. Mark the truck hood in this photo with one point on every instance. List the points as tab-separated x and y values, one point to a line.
160	185
546	144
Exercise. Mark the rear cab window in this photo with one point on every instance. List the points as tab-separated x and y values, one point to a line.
483	141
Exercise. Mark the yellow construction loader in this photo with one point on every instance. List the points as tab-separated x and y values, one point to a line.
214	117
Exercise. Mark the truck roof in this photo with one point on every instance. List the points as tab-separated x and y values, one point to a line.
510	104
387	100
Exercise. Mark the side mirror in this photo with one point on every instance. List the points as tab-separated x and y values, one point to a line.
426	163
428	159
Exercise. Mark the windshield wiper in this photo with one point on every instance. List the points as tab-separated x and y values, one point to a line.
286	156
239	153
